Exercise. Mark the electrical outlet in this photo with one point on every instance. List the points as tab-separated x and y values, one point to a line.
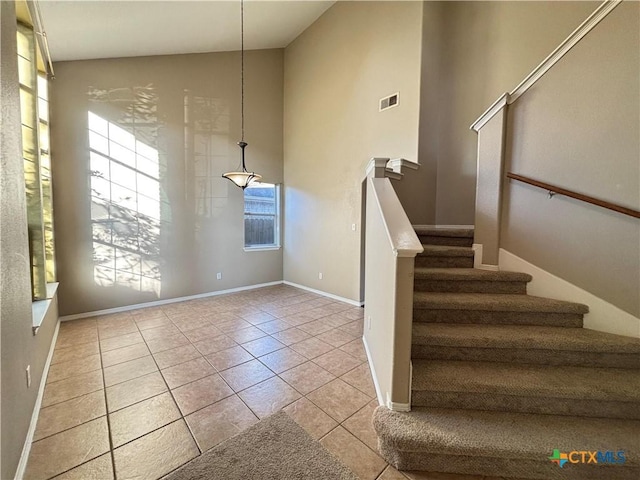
28	376
320	275
353	227
219	275
369	322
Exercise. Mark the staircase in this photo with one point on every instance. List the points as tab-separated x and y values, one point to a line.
502	379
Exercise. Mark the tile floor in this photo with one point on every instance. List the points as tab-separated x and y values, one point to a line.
137	394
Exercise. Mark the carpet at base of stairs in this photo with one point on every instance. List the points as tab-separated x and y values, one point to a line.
504	444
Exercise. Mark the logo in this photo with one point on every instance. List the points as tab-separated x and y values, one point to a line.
583	456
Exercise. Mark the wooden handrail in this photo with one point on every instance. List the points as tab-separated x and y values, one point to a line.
577	196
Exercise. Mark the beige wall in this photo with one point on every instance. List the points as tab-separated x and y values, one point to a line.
487	49
187	108
578	128
19	347
335	74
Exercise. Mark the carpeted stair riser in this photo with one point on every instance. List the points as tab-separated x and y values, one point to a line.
502	467
523	355
518	404
569	320
449	241
423	260
473	286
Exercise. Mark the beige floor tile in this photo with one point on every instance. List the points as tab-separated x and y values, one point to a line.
63	370
337	362
175	356
161	332
360	377
220	421
63	451
229	358
61	355
120	341
355	328
336	337
316	327
201	333
141	418
130	392
128	370
269	396
247	334
282	360
291	336
232	325
256	318
100	468
166	343
187	372
338	399
262	346
298	319
69	414
73	338
147	323
307	377
356	349
156	454
336	320
215	344
391	473
360	424
124	354
190	322
311	418
196	395
274	326
312	348
366	464
72	387
109	330
245	375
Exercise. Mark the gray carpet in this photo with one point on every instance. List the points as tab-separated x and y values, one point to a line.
274	448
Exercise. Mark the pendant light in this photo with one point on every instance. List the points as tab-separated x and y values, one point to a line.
242	178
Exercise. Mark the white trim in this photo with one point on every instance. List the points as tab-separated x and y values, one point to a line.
126	308
397	164
477	259
585	27
374	164
376	385
489	113
396	406
390	173
26	449
324	294
262	249
447	227
603	316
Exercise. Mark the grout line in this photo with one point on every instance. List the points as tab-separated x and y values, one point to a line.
106	407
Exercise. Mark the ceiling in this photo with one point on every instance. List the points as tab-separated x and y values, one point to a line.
78	30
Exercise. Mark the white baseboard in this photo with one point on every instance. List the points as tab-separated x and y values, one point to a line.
26	449
324	294
448	227
126	308
603	316
379	395
477	259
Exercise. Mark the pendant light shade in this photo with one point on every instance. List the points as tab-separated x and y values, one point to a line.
242	178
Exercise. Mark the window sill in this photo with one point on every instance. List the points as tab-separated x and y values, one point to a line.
40	308
262	249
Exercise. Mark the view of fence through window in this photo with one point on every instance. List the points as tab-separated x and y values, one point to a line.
261	215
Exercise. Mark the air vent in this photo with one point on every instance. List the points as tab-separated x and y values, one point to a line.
389	102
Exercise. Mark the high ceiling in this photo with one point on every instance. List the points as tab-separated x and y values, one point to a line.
79	30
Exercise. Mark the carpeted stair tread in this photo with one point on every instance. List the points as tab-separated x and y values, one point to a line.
525	337
607	384
469	274
492	440
444	232
445	251
495	302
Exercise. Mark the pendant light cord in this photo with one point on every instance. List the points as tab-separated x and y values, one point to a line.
242	64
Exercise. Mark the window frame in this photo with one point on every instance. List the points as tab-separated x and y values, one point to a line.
277	244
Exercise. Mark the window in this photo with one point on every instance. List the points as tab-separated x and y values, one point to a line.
262	216
34	113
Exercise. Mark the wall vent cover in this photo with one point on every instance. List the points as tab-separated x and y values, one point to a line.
389	102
